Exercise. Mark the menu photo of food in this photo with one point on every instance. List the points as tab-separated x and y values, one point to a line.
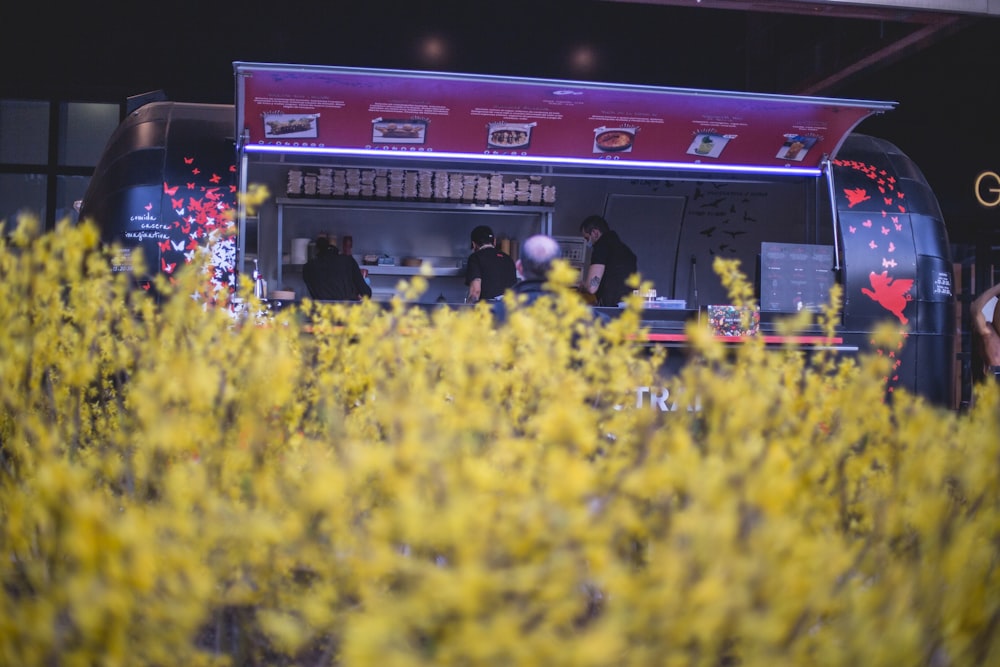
509	135
795	147
290	126
399	131
614	139
708	144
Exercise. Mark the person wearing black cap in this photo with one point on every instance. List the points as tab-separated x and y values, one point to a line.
490	271
611	262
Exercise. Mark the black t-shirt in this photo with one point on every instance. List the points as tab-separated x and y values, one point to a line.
494	268
334	277
619	263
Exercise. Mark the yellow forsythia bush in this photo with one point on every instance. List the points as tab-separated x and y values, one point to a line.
386	485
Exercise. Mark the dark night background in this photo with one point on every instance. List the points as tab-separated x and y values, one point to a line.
946	90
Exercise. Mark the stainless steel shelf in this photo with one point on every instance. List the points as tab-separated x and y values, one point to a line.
438	271
412	205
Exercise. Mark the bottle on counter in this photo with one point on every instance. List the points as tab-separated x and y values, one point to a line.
259	284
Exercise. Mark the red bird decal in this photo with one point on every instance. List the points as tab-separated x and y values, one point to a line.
889	293
169	190
856	196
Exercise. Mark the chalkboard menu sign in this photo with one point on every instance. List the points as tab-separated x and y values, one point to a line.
795	276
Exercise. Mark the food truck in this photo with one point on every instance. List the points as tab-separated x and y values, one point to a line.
407	163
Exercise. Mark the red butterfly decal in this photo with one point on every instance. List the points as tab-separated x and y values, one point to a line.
215	179
169	190
167	268
232	169
196	171
902	209
887	200
852	228
872	245
177	203
885	230
856	196
164	245
189	160
892	247
867	223
889	293
190	186
149	207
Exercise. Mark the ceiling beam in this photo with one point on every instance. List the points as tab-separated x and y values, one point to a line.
915	41
904	11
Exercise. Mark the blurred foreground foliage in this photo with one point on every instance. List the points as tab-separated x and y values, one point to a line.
400	486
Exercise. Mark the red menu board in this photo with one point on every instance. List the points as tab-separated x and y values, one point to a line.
334	109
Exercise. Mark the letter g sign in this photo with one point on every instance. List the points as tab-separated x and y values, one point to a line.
988	189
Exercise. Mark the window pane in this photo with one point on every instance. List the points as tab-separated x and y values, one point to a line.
24	132
22	193
69	190
84	129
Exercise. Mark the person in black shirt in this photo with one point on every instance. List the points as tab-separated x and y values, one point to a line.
490	271
611	262
331	276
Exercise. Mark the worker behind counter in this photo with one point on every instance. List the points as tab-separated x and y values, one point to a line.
490	271
331	276
611	263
